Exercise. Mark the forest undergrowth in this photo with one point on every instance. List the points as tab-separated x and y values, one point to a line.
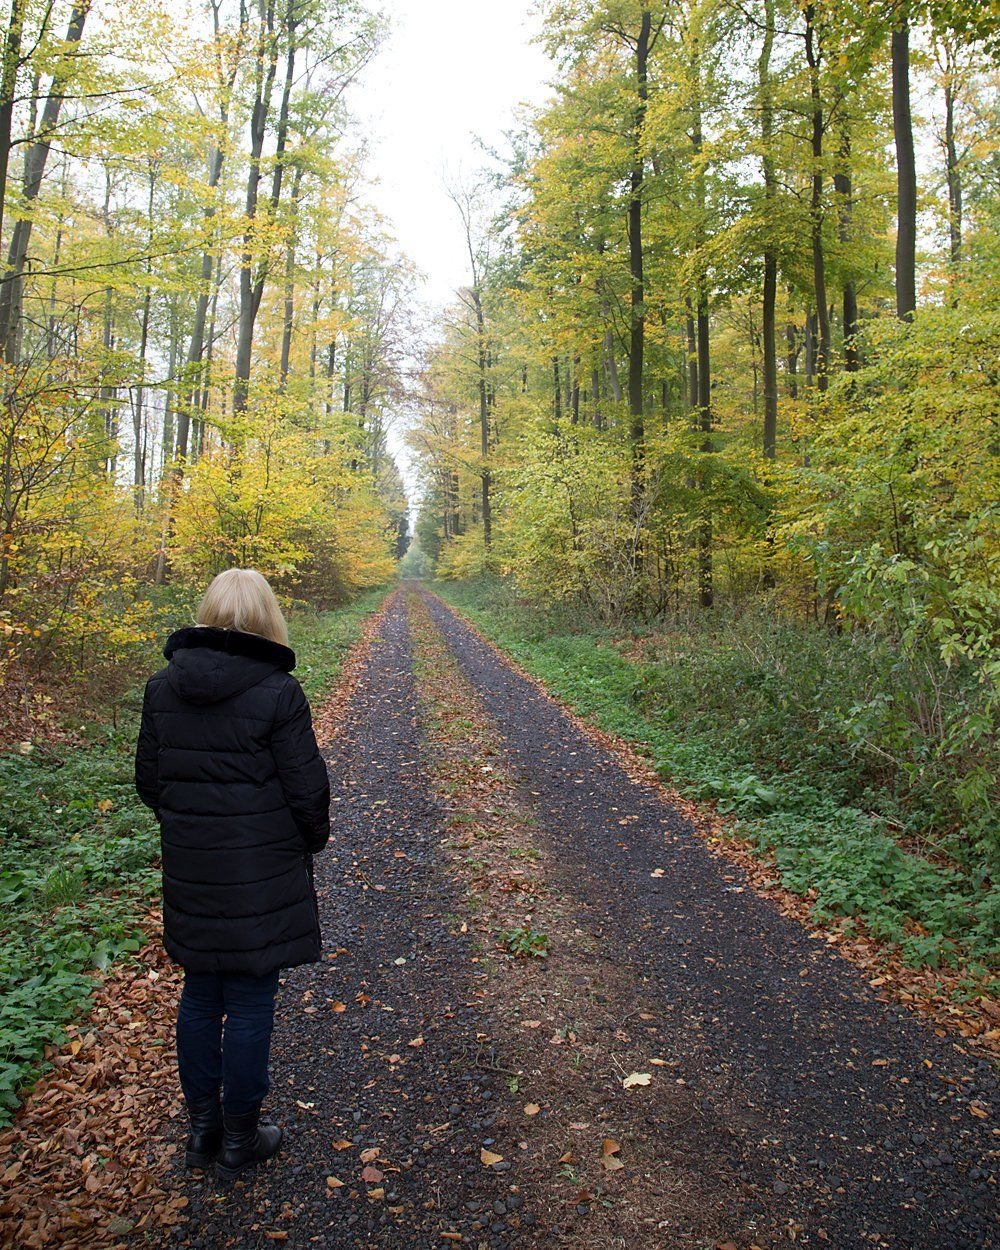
78	851
765	721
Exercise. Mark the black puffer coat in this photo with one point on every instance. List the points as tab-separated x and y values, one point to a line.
228	759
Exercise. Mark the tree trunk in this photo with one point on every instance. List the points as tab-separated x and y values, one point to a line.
817	128
289	309
792	359
692	359
8	90
34	171
953	172
705	576
637	319
484	413
844	186
251	281
906	175
225	81
770	291
703	410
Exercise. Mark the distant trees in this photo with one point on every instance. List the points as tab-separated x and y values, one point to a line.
722	207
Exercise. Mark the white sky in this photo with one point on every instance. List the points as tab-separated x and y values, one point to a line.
449	71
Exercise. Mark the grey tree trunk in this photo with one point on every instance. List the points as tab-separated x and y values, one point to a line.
906	175
34	171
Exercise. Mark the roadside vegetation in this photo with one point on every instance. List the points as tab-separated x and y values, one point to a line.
812	742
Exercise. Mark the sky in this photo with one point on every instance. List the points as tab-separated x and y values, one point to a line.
449	71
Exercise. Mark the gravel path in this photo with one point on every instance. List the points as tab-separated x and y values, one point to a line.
844	1114
866	1114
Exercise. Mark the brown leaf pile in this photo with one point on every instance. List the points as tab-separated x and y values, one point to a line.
85	1160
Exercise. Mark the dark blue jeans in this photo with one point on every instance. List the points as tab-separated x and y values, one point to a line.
224	1028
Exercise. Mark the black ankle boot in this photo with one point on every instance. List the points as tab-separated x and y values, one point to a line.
205	1139
245	1141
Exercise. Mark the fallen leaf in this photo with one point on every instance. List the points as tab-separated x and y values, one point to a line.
531	1108
567	1157
657	872
342	1144
376	1193
452	1236
371	1175
611	1164
531	1024
339	1007
488	1158
334	1182
978	1111
417	1041
370	1155
609	1146
636	1078
395	1058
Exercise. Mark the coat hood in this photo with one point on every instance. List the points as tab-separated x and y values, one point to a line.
208	665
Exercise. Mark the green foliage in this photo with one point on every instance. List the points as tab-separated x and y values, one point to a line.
525	943
76	855
776	724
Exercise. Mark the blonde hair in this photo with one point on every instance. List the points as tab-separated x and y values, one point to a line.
241	599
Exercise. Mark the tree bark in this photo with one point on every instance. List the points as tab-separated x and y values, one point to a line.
34	171
843	184
770	291
952	169
289	306
906	175
8	90
637	319
251	281
817	129
225	80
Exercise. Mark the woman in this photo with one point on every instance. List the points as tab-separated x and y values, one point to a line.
228	760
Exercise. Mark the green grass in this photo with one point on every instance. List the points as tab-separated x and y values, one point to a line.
78	857
758	717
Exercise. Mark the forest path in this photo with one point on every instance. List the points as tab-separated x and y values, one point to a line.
784	1100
